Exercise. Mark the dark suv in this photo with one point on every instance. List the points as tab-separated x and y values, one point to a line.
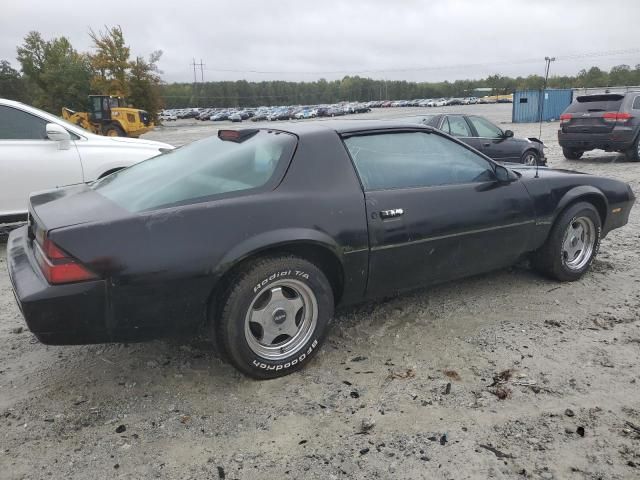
609	122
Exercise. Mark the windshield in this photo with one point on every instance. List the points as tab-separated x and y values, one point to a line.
198	171
596	103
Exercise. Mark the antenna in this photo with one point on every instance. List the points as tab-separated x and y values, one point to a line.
548	61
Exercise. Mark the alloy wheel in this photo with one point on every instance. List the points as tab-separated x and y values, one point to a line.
281	319
578	243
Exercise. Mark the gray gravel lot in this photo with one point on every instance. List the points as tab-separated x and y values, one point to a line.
402	388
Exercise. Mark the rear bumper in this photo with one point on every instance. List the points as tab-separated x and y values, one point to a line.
56	314
616	140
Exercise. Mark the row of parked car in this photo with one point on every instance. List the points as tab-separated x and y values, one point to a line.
266	113
299	112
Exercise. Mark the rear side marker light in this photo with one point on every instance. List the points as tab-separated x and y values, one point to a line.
57	266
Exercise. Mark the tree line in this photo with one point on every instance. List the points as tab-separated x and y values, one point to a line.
242	93
53	74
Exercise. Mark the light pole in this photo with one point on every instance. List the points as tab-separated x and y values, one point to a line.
547	61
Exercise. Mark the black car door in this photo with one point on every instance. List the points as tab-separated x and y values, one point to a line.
435	210
493	143
457	126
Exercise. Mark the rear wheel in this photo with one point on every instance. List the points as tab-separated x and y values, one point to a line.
572	153
633	154
113	130
274	316
530	157
572	243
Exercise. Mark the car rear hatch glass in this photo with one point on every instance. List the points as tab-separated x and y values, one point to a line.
232	161
591	114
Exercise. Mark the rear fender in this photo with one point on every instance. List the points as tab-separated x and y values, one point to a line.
275	239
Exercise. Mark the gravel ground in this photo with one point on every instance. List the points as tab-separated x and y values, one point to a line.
505	375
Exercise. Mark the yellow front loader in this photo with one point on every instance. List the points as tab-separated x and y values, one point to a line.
109	116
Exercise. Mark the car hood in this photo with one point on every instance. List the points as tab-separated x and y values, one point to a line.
132	142
527	171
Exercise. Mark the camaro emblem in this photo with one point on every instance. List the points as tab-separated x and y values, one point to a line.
279	316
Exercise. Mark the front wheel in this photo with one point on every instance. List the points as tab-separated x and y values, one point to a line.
530	157
572	243
274	316
113	130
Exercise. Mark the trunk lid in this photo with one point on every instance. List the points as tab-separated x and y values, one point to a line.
69	206
592	114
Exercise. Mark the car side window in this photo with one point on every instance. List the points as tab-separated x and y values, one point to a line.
389	161
485	128
636	103
18	125
458	126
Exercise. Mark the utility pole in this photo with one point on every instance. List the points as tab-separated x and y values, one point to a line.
193	63
201	71
547	61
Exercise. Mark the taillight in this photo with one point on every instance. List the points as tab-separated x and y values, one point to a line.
59	267
565	118
616	117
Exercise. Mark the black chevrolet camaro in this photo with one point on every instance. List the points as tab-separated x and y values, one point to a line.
257	234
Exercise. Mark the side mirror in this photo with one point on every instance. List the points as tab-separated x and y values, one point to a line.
58	134
508	133
504	175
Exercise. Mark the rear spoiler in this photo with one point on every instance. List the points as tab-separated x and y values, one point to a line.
599	98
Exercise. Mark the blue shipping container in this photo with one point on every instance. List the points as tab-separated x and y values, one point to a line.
529	105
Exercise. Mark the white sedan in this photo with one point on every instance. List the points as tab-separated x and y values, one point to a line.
39	151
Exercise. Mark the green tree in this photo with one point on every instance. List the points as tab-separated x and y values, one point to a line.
110	62
621	75
144	84
11	82
57	75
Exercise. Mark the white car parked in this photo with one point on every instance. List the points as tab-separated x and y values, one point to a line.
39	151
168	117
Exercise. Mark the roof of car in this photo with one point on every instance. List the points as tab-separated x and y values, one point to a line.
343	126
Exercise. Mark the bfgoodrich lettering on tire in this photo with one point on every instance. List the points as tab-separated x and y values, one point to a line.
274	316
572	243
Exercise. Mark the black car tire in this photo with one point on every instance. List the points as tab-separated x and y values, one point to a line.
550	259
530	157
633	154
571	154
260	278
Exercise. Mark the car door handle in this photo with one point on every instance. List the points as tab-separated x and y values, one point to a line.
486	144
396	212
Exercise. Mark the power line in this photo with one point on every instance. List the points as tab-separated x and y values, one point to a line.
202	69
576	56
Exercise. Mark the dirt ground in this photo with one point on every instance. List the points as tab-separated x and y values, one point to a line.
506	375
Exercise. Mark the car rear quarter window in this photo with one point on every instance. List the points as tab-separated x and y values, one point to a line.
414	159
636	103
18	125
200	171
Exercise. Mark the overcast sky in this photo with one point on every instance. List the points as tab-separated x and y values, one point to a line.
420	40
